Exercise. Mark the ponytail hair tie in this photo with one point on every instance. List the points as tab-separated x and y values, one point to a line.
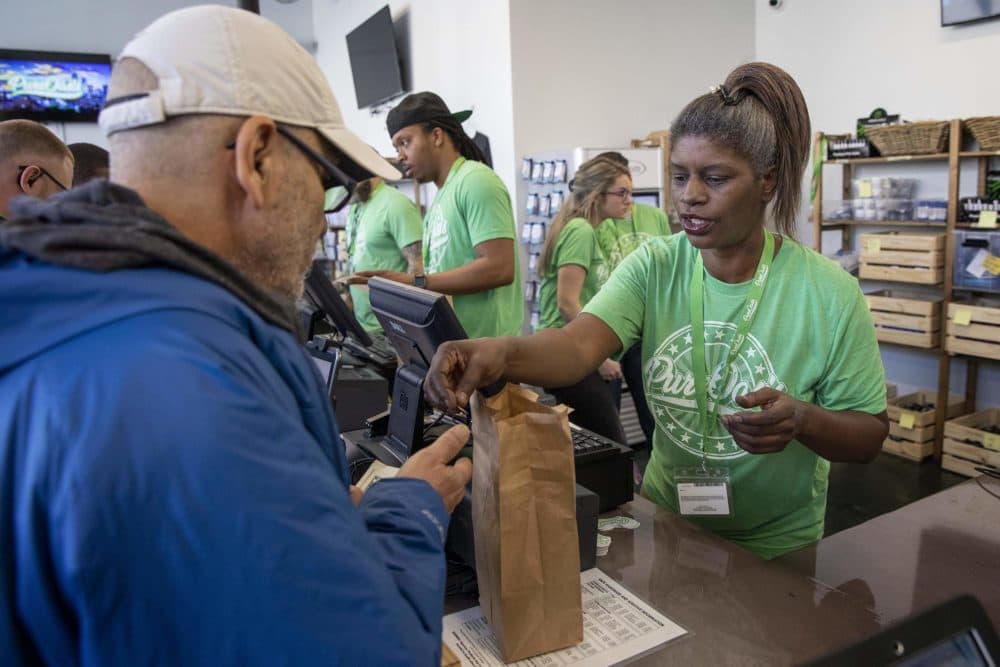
724	95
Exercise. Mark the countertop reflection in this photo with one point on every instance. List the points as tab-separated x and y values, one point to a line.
920	555
741	610
737	608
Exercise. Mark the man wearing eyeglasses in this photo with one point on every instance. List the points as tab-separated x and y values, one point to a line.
175	488
33	161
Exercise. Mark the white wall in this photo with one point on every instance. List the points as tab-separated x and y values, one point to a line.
593	73
459	50
851	56
598	74
105	26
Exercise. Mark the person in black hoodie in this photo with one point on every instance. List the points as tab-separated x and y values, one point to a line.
174	487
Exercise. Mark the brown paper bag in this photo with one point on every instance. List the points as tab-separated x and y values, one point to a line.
524	518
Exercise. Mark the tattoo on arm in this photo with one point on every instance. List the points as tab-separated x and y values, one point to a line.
414	257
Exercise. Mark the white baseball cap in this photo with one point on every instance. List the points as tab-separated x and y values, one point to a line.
212	59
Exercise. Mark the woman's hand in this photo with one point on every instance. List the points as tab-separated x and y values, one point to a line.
461	367
779	421
610	370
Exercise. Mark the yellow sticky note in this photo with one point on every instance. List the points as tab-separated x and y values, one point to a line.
963	317
907	419
987	219
874	245
864	188
992	442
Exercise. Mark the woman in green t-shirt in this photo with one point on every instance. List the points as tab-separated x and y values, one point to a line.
760	360
573	269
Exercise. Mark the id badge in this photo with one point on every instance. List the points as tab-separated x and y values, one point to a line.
704	492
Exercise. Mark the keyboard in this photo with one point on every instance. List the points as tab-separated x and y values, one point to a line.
381	345
379	352
588	446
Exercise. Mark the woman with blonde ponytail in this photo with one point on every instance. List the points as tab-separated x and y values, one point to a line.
573	269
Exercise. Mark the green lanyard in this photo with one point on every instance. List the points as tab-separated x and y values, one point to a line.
746	320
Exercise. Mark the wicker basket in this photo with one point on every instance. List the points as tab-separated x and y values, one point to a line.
926	136
986	131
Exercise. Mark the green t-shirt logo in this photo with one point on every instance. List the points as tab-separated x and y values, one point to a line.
437	235
670	387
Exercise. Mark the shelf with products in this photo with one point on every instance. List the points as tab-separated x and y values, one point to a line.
927	321
546	176
833	224
888	159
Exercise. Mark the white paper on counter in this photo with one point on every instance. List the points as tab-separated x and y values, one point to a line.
617	627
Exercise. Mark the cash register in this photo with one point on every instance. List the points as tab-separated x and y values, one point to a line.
416	322
354	367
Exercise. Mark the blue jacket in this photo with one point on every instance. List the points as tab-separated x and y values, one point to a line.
174	491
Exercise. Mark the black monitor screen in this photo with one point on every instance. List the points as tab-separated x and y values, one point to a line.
962	650
324	296
415	320
53	86
954	12
371	48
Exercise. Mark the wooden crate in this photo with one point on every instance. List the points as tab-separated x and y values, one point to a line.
905	318
914	451
916	442
967	444
900	257
981	336
956	405
959	465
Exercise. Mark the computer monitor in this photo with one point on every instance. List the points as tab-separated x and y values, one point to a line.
416	322
324	296
957	632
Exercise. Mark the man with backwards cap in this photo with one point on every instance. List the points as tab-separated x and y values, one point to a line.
174	487
469	242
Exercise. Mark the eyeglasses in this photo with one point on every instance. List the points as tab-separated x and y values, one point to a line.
338	185
623	193
21	168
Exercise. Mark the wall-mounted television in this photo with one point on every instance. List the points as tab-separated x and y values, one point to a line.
955	12
371	48
53	86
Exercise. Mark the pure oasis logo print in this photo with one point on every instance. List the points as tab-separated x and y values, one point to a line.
671	395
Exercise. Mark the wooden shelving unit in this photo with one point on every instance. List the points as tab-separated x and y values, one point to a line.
953	159
830	224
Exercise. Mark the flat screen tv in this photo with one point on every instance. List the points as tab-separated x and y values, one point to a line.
53	86
955	12
371	48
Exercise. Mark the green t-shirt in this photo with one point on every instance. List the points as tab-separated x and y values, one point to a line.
473	207
813	338
576	244
377	231
618	237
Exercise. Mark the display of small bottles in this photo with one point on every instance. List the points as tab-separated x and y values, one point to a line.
533	233
544	171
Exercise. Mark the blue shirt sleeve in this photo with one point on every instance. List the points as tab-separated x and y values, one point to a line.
194	520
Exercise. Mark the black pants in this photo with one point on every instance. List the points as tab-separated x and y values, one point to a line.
632	370
593	403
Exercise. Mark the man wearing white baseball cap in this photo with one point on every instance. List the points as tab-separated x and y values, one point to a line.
174	487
